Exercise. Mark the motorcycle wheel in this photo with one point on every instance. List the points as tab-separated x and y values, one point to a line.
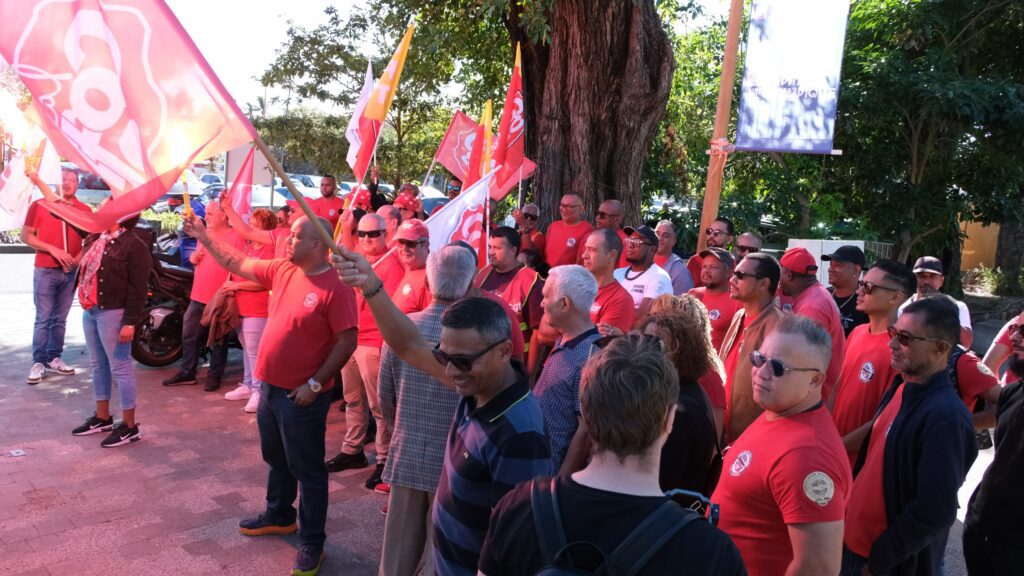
157	347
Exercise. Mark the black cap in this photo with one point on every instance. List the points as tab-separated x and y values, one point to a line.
644	231
850	254
928	264
723	255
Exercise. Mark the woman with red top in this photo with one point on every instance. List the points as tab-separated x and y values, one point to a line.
252	299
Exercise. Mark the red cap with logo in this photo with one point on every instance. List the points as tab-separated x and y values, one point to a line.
413	230
407	201
799	260
360	198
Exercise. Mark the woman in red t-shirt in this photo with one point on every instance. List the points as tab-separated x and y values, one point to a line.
252	301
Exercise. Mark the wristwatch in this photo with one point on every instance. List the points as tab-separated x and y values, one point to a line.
314	386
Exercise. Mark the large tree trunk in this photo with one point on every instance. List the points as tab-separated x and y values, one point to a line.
594	96
1010	246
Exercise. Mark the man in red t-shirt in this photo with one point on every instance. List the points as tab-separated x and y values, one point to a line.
613	309
329	205
715	271
208	278
811	299
58	247
719	235
413	247
564	237
785	480
359	376
515	283
609	216
310	333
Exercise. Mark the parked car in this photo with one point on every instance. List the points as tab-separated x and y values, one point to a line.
208	179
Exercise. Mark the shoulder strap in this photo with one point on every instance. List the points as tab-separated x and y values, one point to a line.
954	359
646	539
547	518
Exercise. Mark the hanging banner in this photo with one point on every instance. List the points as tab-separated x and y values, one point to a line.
791	75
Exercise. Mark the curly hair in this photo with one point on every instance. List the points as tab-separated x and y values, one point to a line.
683	324
263	219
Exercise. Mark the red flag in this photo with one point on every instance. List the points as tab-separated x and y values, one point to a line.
511	129
475	156
457	145
123	91
500	189
241	188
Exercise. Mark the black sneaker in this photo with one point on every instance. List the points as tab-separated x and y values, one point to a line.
308	560
181	379
94	425
346	462
122	435
375	478
260	526
212	382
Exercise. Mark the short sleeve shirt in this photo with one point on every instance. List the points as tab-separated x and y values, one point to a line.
867	374
209	275
328	208
1004	338
390	272
253	303
412	294
54	231
721	308
973	378
965	314
650	283
614	306
563	242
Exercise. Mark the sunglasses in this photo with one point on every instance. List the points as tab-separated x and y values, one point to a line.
747	249
606	215
411	244
638	242
715	233
740	275
530	216
757	359
455	187
905	338
570	206
868	287
460	362
369	233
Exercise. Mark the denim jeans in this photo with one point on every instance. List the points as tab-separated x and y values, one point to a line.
111	360
292	442
193	336
53	290
250	333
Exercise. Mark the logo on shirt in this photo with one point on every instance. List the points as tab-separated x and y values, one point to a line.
310	300
714	314
867	372
571	242
331	212
595	309
741	463
406	289
985	369
819	488
787	307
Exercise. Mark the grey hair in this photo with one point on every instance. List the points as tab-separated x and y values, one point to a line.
375	217
450	271
531	205
575	283
816	337
666	223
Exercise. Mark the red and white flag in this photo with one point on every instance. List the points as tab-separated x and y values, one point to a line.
241	188
512	128
362	132
463	219
457	145
16	190
123	91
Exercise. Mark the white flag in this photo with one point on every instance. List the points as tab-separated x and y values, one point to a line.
352	133
463	218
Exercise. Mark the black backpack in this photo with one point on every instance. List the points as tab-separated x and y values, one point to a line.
628	558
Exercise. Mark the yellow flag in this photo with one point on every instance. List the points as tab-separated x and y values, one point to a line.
384	90
485	121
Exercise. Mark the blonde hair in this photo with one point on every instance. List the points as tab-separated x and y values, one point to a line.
684	326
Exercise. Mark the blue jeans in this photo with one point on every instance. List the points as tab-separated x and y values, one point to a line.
250	333
193	336
111	360
292	442
53	290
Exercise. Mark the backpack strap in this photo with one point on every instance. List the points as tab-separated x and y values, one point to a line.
954	358
547	518
647	538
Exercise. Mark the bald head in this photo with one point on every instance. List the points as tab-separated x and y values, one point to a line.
609	214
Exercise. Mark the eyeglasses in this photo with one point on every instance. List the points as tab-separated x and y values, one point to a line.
869	287
411	244
740	275
460	362
757	359
638	242
715	233
369	233
570	206
601	214
747	249
529	216
905	338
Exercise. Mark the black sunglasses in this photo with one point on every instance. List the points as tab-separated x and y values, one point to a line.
868	287
411	243
905	338
461	363
740	275
747	249
757	359
605	214
369	233
530	216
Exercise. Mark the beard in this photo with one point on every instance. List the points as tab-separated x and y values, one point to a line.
1017	365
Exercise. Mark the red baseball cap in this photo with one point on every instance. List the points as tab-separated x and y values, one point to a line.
413	230
360	198
407	201
799	260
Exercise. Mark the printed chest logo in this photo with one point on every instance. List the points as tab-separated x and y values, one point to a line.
714	314
310	300
867	372
787	307
819	488
740	464
596	308
406	289
332	212
571	242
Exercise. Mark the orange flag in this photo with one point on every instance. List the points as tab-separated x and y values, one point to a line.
384	91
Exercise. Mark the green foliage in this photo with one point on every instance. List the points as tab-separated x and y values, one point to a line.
994	281
169	221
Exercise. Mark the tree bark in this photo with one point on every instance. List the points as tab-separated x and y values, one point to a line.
594	97
1010	245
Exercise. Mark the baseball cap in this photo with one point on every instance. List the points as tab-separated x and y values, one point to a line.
644	231
413	230
799	260
360	197
407	201
850	254
723	256
928	264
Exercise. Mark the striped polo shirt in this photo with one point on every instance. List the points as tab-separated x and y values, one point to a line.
490	449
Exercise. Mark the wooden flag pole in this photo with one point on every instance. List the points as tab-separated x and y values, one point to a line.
716	163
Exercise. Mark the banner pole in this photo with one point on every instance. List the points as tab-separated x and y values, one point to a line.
430	170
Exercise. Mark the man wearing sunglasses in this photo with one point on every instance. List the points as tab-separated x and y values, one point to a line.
669	260
746	243
785	481
412	243
530	237
867	368
753	285
565	237
916	454
845	266
359	376
719	235
454	188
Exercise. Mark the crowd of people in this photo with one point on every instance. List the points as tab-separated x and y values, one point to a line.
588	398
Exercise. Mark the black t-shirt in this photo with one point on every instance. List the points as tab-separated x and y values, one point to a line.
605	519
686	456
997	507
848	312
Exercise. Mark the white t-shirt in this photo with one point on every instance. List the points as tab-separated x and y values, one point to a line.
652	283
965	314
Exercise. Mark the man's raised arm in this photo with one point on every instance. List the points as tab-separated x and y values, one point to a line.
232	260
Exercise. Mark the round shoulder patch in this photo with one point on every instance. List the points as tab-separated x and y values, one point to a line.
741	463
985	369
819	488
310	300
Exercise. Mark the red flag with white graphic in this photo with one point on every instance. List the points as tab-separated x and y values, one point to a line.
123	91
362	132
463	219
241	188
457	145
511	129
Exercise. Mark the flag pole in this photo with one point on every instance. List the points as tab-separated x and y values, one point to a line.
324	236
429	170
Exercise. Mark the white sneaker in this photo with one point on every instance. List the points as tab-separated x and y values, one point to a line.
240	393
253	403
35	375
57	365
